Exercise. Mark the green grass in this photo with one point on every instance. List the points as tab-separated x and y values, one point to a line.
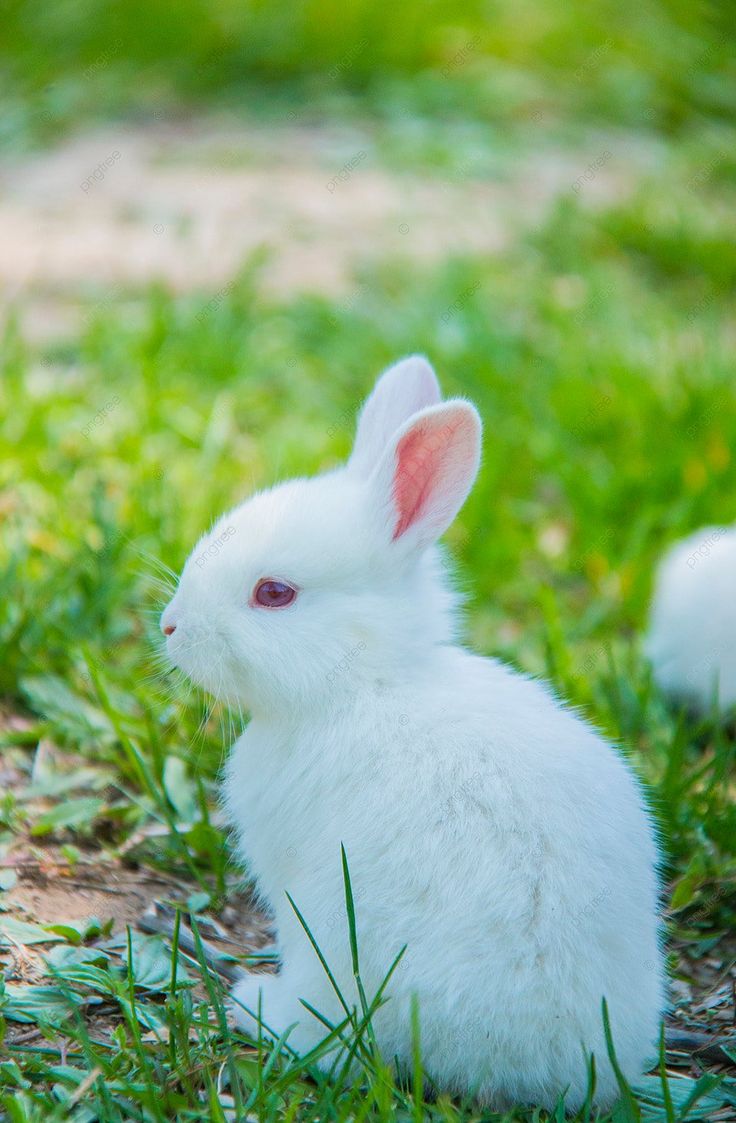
653	63
599	350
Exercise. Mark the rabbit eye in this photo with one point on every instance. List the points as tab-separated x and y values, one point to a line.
273	594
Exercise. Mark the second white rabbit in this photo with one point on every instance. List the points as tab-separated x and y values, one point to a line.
692	630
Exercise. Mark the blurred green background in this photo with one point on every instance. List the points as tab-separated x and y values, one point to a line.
667	65
597	338
589	313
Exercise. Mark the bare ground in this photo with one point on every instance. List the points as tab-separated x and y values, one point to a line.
186	203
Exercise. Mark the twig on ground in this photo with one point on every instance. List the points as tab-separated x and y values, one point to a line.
700	1045
153	921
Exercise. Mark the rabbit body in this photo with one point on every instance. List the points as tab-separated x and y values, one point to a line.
501	841
489	830
690	641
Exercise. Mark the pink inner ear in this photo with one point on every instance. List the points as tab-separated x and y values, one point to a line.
421	468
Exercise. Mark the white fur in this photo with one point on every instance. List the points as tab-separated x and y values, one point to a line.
693	621
487	827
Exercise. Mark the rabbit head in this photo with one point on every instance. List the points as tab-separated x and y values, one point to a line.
316	585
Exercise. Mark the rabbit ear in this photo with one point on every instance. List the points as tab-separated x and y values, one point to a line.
426	473
401	391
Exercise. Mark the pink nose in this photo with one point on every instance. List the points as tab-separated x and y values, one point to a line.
169	629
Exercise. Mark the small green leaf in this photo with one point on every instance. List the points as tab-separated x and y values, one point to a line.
693	1099
197	902
71	813
14	932
180	789
44	1005
67	932
8	880
151	966
11	1076
72	854
63	957
58	783
73	715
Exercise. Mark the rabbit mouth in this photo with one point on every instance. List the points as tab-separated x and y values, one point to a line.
204	657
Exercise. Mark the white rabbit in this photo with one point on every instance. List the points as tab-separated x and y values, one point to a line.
691	639
487	827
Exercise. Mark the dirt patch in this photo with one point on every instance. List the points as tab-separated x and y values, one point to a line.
47	893
50	893
186	204
92	892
